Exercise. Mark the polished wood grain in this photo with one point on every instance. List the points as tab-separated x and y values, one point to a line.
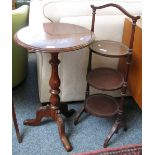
54	37
135	73
105	79
19	138
108	79
109	48
125	12
101	105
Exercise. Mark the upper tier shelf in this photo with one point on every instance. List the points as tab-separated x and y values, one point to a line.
109	48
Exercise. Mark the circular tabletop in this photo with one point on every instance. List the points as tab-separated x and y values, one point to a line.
109	48
54	37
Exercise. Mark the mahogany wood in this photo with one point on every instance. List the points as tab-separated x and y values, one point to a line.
118	7
114	130
109	48
100	79
78	115
135	73
53	109
19	138
44	111
105	79
51	38
101	105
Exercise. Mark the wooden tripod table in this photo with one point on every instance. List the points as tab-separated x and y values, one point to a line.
54	38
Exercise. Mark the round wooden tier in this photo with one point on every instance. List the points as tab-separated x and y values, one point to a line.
105	79
109	48
101	105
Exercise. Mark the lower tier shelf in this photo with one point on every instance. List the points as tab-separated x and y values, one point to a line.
101	105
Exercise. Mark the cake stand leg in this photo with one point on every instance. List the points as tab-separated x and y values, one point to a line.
76	119
111	133
78	115
119	123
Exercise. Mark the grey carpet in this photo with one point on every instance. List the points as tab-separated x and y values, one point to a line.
87	135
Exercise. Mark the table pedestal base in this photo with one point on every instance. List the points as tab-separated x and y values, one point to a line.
48	111
54	108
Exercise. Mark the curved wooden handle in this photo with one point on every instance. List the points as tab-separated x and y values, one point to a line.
135	18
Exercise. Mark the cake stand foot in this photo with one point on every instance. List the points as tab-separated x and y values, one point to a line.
76	120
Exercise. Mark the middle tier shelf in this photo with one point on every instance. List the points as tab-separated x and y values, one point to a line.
105	79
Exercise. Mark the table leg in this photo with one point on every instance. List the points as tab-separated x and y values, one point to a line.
55	100
15	124
44	111
54	108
